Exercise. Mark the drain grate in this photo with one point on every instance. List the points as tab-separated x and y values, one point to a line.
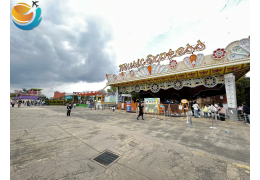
106	158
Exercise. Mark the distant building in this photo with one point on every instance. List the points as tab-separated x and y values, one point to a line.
58	94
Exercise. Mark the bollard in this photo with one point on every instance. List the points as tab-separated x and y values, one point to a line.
187	118
215	116
190	120
216	119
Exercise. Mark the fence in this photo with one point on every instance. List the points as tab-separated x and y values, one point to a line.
102	106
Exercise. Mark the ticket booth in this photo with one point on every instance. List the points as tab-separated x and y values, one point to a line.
100	98
125	98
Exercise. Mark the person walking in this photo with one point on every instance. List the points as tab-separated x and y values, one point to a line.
205	111
196	108
192	109
69	109
141	112
113	108
246	110
222	112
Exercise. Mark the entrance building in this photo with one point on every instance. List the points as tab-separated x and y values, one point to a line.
205	77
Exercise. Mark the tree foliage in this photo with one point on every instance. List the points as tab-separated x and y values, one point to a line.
241	86
111	89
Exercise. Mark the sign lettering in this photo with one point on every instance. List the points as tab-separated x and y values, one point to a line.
150	59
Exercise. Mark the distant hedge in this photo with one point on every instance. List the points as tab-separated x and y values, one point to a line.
58	102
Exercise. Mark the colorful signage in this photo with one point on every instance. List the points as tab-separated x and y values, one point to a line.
184	101
161	57
151	104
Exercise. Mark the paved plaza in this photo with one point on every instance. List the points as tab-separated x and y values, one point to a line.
46	144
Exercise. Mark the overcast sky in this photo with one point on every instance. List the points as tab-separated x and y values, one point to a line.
78	42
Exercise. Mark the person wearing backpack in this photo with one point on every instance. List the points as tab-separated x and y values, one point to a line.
69	107
222	112
205	111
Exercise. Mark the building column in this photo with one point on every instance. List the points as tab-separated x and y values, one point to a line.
116	95
230	86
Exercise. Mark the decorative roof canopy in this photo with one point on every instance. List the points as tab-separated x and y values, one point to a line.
234	58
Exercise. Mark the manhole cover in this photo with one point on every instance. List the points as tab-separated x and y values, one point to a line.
106	158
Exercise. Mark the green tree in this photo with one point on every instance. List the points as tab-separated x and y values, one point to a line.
241	85
111	89
13	95
135	95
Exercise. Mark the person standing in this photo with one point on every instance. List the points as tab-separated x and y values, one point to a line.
205	111
196	108
69	109
222	112
213	110
246	110
141	112
192	109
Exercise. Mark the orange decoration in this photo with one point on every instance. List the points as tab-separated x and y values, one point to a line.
193	59
149	69
122	73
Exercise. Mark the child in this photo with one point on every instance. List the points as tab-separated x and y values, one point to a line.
205	110
113	108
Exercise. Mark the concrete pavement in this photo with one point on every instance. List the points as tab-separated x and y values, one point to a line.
46	144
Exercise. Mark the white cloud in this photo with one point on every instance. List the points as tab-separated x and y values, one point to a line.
150	27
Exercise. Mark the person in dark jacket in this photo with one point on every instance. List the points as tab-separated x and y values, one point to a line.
246	110
192	109
141	113
69	107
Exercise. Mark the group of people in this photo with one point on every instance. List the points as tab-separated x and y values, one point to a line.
171	102
25	103
210	110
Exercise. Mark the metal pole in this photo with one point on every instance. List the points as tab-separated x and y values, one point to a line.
216	119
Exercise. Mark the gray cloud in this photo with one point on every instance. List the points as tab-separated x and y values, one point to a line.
38	57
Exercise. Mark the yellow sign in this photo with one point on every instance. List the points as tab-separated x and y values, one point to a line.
161	57
184	101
